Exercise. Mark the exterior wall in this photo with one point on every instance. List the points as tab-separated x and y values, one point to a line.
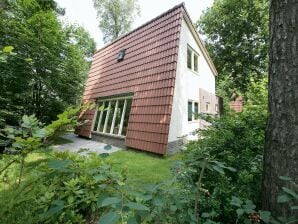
187	87
237	104
148	72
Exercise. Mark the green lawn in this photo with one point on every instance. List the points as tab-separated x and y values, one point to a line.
143	168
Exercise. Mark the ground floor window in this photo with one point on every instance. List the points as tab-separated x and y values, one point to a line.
112	115
193	110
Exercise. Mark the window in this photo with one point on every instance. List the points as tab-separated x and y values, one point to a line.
193	110
196	110
189	110
112	116
192	60
207	107
189	54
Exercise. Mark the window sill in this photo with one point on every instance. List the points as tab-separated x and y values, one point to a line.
192	71
194	121
109	135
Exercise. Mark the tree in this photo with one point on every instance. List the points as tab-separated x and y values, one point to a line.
115	17
54	76
237	38
281	150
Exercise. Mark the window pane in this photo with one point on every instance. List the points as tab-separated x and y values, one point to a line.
207	107
127	112
196	110
196	59
96	119
189	111
102	124
111	114
189	58
118	117
97	116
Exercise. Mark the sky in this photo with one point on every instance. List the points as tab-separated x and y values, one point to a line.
83	13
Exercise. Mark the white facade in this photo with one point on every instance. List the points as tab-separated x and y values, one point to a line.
187	86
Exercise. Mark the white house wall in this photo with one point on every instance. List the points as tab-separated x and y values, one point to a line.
187	87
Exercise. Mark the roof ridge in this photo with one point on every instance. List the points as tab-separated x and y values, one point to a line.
143	25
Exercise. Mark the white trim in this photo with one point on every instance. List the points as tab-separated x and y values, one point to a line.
114	117
95	116
108	111
122	117
107	118
100	116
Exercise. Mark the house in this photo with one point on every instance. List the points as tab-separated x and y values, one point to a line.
149	85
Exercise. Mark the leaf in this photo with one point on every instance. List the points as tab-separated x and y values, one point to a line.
294	207
109	218
205	215
108	147
249	206
218	169
132	220
39	133
283	198
54	209
239	212
136	206
157	202
8	49
101	108
290	192
236	201
59	164
28	59
231	169
104	155
265	216
285	178
110	201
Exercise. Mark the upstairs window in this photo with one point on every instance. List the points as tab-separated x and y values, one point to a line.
192	59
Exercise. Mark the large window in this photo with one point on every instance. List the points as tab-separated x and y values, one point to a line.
112	116
193	110
192	60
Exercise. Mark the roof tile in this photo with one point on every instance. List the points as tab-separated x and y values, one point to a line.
148	71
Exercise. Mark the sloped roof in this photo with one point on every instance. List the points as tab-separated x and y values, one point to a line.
148	71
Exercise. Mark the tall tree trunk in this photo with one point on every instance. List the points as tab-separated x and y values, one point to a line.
281	150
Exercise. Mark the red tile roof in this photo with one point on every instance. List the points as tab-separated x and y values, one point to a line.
148	70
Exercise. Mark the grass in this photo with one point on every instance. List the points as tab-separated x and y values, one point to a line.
143	168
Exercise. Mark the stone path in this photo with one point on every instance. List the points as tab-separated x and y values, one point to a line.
80	144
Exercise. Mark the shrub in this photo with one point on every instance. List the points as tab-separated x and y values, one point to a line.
236	140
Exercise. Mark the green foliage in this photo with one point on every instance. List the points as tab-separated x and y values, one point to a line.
115	17
236	140
64	190
49	64
237	34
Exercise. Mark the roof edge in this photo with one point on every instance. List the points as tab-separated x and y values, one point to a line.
143	25
199	40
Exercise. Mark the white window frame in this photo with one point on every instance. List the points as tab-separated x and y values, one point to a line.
193	110
193	54
104	103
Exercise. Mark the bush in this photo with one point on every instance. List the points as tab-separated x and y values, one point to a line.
237	141
66	189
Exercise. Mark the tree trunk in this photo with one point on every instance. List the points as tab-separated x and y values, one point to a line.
281	150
